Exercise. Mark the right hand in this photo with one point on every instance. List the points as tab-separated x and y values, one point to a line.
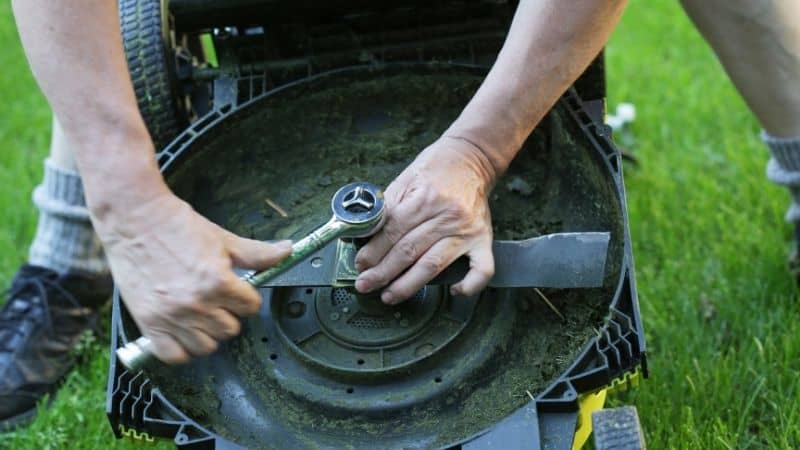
174	270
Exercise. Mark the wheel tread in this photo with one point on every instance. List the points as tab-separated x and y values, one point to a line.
145	52
617	429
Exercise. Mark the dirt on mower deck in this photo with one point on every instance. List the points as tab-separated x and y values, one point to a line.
290	156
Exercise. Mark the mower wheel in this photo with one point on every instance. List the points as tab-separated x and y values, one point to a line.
151	64
617	429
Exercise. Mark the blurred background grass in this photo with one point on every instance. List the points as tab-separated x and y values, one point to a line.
719	307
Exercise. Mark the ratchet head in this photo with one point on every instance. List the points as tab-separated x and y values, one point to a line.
360	206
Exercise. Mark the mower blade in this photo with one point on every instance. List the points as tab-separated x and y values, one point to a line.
317	270
560	260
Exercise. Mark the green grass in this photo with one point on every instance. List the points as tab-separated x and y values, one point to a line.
720	311
76	418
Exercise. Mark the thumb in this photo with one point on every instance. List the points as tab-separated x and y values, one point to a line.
253	254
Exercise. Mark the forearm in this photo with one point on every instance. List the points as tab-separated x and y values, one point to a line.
75	51
550	43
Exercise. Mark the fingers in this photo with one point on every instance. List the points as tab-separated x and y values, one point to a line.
195	341
401	256
253	254
481	263
238	297
221	325
436	259
166	348
196	335
403	214
227	297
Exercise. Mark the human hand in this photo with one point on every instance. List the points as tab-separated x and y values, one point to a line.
437	210
174	271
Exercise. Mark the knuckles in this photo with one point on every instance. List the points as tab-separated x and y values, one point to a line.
214	279
394	231
409	250
458	213
433	263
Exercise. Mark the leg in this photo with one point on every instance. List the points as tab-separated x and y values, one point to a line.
53	300
758	43
60	151
65	240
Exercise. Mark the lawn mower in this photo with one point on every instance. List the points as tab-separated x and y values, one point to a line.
261	111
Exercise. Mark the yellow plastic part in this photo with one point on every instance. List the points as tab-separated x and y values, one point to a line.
594	401
132	434
588	403
627	381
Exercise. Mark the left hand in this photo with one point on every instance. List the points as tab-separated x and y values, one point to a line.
437	210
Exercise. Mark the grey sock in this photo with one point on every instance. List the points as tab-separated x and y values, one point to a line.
65	240
784	168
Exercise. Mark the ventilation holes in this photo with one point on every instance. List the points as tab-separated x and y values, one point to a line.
362	321
341	296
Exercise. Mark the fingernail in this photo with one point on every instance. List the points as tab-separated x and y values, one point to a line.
284	245
387	297
359	265
362	285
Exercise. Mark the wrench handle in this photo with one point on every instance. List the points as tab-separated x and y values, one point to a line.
301	250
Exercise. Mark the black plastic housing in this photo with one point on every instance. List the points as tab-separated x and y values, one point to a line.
136	408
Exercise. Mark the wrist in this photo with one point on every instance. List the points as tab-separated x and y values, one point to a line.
120	175
470	154
130	219
498	143
488	166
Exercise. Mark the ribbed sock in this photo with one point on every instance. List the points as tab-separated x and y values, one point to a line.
784	168
65	240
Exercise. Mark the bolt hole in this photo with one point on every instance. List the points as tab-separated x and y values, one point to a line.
273	356
360	362
350	390
438	379
309	291
264	339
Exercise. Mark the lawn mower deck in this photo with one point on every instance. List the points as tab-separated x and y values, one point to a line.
320	367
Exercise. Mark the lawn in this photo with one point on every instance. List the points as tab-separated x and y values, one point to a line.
720	311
